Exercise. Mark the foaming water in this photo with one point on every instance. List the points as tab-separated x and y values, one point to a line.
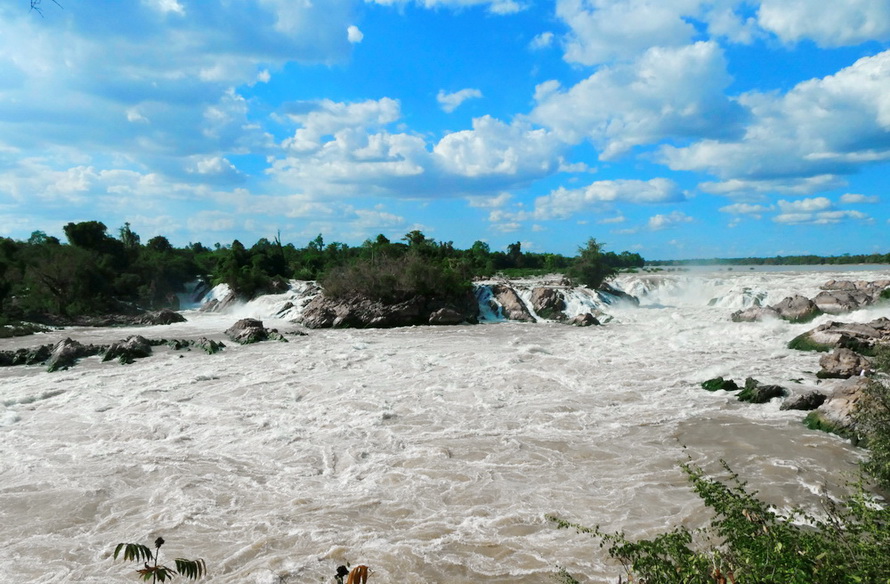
432	454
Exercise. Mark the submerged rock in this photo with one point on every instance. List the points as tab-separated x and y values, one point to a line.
755	314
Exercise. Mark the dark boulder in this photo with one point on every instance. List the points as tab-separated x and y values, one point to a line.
161	317
128	350
805	401
248	330
361	312
586	319
209	346
66	353
32	356
610	295
759	393
446	316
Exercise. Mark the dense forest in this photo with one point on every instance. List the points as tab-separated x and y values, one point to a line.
94	272
798	260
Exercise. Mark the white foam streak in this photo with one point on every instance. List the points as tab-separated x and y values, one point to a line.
431	454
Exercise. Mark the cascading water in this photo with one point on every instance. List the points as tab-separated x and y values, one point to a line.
431	454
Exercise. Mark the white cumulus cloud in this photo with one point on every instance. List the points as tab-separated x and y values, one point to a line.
451	101
820	128
667	92
829	24
354	35
563	203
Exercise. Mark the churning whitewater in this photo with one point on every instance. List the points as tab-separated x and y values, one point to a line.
431	454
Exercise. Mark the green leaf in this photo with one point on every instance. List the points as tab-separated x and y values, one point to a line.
133	552
191	569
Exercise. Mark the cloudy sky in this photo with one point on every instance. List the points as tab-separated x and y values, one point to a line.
677	129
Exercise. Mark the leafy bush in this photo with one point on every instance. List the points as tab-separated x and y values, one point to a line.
872	418
394	279
749	542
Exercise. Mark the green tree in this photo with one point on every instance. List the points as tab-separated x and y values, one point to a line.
590	267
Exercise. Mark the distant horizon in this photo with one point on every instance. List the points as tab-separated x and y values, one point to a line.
695	129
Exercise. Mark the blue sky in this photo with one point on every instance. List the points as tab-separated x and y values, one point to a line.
679	129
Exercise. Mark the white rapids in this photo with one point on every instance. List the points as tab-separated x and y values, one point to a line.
431	454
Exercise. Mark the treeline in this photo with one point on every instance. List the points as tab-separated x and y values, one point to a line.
798	260
95	272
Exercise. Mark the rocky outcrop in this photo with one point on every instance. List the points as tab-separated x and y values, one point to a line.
797	308
251	330
161	317
843	363
759	393
804	401
836	414
128	350
549	303
609	294
66	353
511	304
446	316
755	314
836	297
860	337
219	305
586	319
360	312
840	301
871	289
32	356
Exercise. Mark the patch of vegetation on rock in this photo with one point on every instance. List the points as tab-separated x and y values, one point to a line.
719	383
815	420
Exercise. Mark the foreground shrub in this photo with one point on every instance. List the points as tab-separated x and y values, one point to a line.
748	542
135	552
872	419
